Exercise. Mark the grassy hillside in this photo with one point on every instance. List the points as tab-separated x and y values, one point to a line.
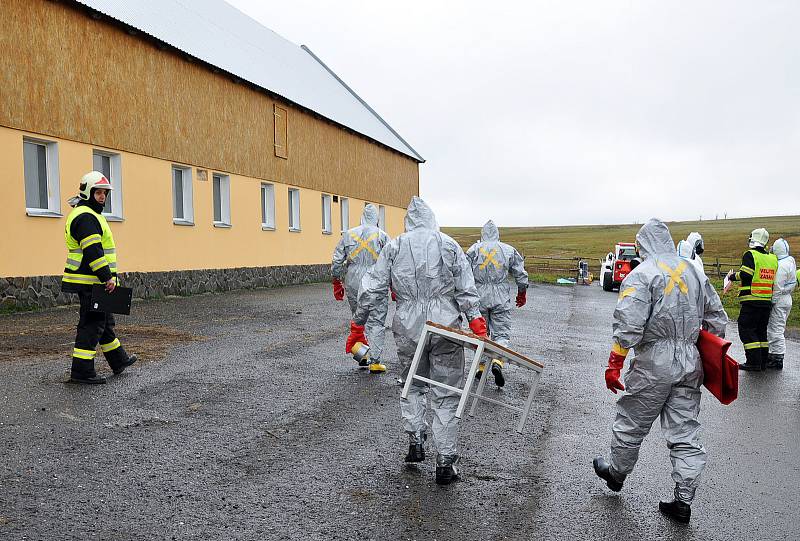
724	239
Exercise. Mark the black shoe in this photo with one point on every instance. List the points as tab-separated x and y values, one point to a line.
121	368
447	472
775	361
87	380
603	471
479	371
750	367
676	510
416	453
497	372
363	363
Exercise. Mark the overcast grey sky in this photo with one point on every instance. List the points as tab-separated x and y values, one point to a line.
536	113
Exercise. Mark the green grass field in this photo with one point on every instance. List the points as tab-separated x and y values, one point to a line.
724	239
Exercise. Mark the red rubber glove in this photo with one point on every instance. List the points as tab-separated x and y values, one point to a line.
394	295
478	326
356	335
522	297
338	290
616	359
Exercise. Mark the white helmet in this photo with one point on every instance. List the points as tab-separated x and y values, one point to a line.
759	237
91	180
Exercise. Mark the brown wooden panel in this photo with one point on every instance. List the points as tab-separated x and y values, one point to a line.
281	132
67	75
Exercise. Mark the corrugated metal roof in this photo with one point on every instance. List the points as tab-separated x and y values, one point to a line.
219	34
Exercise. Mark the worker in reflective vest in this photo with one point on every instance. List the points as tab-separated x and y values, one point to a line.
757	275
92	259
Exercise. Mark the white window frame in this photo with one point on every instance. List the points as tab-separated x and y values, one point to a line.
115	196
294	210
382	217
267	206
327	218
187	199
225	199
344	213
53	209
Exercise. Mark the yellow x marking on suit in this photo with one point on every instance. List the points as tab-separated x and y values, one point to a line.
674	277
364	245
489	259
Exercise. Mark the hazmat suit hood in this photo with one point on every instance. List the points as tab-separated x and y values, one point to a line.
695	241
370	215
420	216
490	232
684	249
654	239
781	248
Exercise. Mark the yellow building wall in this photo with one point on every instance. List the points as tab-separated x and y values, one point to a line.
147	240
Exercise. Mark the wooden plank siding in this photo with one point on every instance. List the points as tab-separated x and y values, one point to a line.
68	75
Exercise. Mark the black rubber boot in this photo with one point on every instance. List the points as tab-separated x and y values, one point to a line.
775	361
676	510
750	367
87	380
120	368
416	452
497	372
603	471
446	470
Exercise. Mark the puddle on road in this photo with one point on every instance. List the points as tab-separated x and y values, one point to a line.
149	342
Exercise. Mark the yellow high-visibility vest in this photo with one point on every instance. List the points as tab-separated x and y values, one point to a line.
765	267
75	249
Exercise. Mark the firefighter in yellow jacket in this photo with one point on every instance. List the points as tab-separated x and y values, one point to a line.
757	275
92	259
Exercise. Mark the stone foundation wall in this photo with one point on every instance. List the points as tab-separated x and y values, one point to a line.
38	292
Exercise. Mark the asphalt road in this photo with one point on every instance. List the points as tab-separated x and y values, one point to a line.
255	425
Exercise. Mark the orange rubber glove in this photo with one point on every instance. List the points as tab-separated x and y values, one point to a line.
616	359
394	295
338	290
356	335
522	297
478	326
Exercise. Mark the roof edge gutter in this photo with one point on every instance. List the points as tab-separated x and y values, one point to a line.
419	158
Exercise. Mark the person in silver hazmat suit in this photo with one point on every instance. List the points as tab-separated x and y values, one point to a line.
662	306
492	261
433	281
356	253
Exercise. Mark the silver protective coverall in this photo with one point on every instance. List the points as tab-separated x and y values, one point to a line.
492	261
433	282
355	254
662	306
785	283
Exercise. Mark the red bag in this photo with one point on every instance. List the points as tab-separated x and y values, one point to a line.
720	371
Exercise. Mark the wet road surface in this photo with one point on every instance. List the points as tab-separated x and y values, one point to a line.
255	425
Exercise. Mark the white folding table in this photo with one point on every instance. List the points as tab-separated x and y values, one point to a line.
481	346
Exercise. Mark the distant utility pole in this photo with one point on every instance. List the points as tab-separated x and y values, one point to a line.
716	217
726	215
701	217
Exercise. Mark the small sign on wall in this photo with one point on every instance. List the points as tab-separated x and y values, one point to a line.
202	175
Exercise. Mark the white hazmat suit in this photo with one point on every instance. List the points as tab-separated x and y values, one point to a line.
785	283
355	254
691	248
662	306
433	281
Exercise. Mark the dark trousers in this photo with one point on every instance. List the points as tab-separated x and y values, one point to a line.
95	328
753	321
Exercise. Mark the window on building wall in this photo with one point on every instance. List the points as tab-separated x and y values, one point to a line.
382	217
294	209
42	186
221	188
110	164
281	132
183	211
267	206
344	207
327	221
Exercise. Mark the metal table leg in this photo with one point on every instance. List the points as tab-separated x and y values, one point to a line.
412	370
